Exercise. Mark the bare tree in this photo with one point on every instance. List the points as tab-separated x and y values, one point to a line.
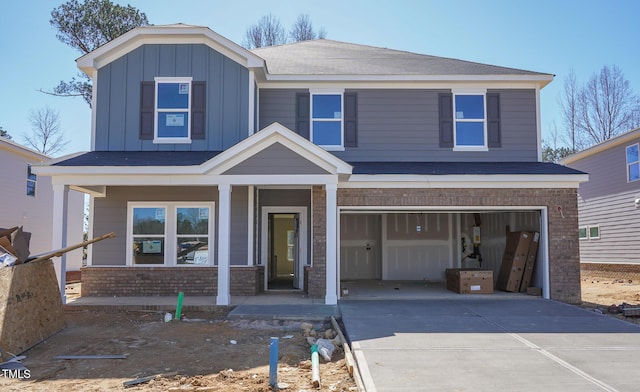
267	32
302	29
606	105
568	101
46	134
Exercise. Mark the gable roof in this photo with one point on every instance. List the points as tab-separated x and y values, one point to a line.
166	34
10	145
607	144
328	57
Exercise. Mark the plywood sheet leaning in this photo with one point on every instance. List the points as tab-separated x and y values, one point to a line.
30	305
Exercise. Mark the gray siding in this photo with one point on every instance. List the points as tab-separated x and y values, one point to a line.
619	223
288	198
402	125
607	172
118	94
276	159
110	214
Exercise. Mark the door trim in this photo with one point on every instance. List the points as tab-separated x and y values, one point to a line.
302	248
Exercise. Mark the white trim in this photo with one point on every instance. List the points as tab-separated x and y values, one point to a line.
469	92
252	102
224	245
331	245
250	225
531	80
302	249
325	91
544	251
464	181
94	109
170	235
60	204
168	34
90	233
538	125
156	111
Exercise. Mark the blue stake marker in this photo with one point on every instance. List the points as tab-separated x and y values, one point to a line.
273	362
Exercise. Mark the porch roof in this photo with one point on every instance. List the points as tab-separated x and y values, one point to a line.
461	168
139	158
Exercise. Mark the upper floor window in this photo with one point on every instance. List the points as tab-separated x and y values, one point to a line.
470	131
173	110
31	182
633	164
327	119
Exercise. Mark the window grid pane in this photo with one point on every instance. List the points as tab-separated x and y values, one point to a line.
192	250
148	250
192	220
632	154
173	95
327	106
469	133
634	172
173	124
148	220
327	133
469	107
582	232
594	232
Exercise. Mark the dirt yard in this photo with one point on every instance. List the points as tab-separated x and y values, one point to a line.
203	353
606	295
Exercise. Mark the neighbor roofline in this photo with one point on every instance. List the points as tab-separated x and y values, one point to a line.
26	151
607	144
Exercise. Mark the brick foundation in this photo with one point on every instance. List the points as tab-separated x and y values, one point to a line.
160	281
564	255
610	271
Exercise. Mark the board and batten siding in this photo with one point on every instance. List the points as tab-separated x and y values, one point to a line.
118	96
110	214
402	125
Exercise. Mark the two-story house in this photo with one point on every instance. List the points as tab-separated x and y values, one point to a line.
230	172
609	205
27	199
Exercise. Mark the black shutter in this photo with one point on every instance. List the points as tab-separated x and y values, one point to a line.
351	120
302	114
493	120
445	101
198	110
147	108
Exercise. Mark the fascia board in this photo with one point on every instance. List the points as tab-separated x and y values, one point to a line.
544	79
166	35
621	139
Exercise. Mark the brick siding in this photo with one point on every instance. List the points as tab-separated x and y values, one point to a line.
317	272
564	258
159	281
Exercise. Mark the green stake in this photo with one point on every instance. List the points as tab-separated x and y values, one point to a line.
179	306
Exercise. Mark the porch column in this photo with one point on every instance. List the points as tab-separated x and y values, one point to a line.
224	243
331	296
59	233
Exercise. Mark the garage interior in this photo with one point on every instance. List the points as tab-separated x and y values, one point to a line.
409	251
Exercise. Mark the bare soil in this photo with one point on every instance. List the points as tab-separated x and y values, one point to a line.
605	295
205	352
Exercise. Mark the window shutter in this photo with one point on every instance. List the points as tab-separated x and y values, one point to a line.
493	120
351	120
445	101
147	103
198	109
302	114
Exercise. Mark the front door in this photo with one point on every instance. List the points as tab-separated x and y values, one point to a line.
283	251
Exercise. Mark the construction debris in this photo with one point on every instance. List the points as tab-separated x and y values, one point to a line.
117	356
143	380
14	246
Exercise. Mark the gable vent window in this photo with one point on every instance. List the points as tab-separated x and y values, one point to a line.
633	164
31	182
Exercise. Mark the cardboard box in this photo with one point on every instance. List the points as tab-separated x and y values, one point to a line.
469	280
514	261
535	291
530	263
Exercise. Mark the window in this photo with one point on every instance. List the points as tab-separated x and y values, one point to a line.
173	110
594	232
31	182
326	120
469	120
170	233
633	164
582	233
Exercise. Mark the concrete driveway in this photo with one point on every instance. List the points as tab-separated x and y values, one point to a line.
484	344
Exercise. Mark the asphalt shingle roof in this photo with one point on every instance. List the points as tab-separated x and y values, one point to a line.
327	57
139	158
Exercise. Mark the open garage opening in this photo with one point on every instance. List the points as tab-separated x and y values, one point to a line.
412	249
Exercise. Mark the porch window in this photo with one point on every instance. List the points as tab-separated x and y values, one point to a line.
326	119
170	233
173	110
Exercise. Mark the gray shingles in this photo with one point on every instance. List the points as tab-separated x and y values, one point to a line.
327	57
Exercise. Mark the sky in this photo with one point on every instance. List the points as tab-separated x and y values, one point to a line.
548	36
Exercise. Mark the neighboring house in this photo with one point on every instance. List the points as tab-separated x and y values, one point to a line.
26	200
230	172
609	203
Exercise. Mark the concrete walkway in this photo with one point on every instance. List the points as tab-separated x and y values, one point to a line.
480	344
